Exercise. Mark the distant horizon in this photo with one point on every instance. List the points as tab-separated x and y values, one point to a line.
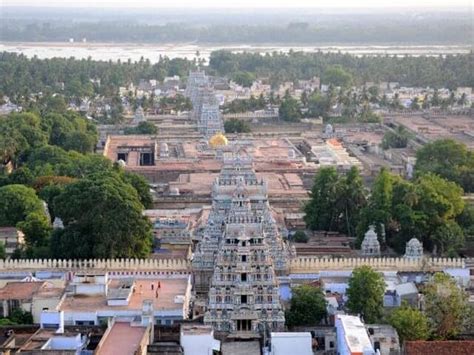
239	4
248	8
200	10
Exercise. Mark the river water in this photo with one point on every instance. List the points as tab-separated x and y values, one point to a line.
124	52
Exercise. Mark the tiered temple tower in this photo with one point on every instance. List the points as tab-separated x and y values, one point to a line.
205	105
241	254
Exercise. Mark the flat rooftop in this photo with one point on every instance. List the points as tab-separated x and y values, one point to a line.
123	339
355	333
169	289
278	183
240	348
194	329
21	290
460	128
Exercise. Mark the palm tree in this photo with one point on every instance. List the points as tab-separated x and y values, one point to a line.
415	104
384	101
451	99
435	101
462	100
396	104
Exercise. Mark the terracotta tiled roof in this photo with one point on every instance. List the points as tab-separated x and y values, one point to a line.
20	290
451	347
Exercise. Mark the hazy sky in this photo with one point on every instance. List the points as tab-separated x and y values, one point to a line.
239	3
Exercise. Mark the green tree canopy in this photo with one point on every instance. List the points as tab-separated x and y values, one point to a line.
3	253
426	208
307	306
244	78
441	202
321	210
236	126
103	218
449	159
244	105
378	209
365	294
410	323
16	203
19	132
397	138
300	237
446	306
140	184
336	201
336	75
19	316
318	105
289	109
142	128
37	229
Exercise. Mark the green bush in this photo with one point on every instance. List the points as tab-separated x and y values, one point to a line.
300	237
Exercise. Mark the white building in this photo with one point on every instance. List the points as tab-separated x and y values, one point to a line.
352	337
198	340
291	343
97	298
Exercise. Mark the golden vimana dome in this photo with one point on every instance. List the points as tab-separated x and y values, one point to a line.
218	140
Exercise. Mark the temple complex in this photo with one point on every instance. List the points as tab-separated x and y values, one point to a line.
241	278
205	105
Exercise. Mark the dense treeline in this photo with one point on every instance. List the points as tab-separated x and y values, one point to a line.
21	76
450	71
21	134
236	126
47	155
407	31
429	208
244	105
449	159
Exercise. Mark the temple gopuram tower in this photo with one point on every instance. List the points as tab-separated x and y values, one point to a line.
241	254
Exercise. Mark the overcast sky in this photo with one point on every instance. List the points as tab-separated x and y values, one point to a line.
239	3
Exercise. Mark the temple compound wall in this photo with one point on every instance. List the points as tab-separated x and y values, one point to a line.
297	265
304	265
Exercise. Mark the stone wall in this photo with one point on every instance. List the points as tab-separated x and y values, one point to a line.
297	265
315	264
97	264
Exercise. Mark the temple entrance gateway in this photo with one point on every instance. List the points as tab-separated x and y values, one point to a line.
244	325
243	253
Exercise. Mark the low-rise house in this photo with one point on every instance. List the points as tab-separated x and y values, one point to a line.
396	293
123	338
46	298
291	343
309	85
198	340
30	296
97	298
407	292
68	341
53	337
384	338
352	337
